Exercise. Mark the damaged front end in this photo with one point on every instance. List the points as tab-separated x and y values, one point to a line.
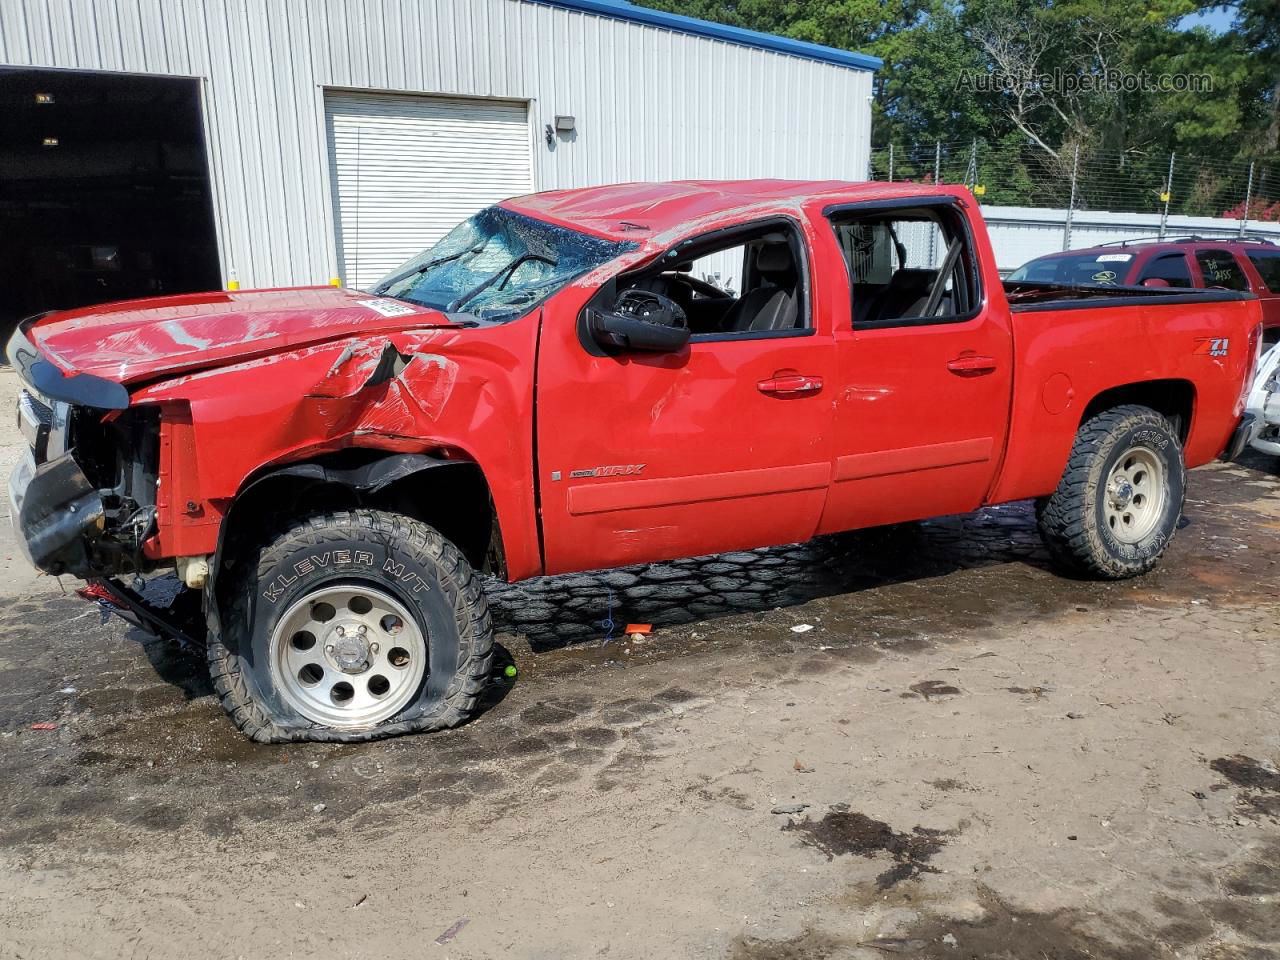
82	496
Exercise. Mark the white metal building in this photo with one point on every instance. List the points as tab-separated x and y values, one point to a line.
341	136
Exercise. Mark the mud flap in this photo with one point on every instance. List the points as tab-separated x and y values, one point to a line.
1241	437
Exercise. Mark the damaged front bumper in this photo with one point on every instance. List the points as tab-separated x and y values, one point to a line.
56	514
82	498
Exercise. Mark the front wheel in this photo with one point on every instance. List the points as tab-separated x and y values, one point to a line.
1120	497
352	626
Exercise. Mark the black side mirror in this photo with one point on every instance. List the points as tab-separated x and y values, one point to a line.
640	320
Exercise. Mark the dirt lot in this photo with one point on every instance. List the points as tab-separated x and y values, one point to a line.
966	756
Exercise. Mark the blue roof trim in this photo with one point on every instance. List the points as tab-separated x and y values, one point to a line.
622	10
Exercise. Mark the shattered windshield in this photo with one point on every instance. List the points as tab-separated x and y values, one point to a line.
497	266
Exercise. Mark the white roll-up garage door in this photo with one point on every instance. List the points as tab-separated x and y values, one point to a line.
406	169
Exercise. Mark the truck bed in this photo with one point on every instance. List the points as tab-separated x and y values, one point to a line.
1027	295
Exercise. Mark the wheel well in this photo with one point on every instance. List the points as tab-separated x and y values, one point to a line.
452	496
1173	398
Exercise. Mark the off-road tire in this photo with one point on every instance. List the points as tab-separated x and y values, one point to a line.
1072	521
389	551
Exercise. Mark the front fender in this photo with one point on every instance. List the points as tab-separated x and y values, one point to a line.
456	395
365	478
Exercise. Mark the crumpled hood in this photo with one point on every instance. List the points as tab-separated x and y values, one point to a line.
140	340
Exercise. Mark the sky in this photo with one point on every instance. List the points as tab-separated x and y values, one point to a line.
1218	20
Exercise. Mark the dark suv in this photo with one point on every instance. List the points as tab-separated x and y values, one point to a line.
1245	264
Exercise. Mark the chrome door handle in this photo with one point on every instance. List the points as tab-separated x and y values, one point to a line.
791	384
971	364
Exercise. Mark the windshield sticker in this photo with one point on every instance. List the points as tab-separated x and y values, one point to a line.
1106	278
1115	258
388	308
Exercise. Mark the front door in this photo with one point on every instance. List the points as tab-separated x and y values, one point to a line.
926	368
723	445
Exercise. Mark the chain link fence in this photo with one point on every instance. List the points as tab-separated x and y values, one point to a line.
1026	175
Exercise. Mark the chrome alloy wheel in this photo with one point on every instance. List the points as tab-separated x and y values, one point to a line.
1135	495
348	656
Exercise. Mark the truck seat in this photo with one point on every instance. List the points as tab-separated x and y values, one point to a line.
772	305
905	296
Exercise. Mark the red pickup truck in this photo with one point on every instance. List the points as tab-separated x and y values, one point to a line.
592	378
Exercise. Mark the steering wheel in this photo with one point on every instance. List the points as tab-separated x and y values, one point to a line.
703	287
654	307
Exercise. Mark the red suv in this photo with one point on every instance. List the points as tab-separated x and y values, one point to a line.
1250	264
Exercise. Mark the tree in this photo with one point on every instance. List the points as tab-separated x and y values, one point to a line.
1258	24
927	44
1090	114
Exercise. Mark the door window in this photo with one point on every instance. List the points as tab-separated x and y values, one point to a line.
1267	263
908	266
1172	268
1220	269
742	282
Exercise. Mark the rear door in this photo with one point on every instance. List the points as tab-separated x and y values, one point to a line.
1219	269
723	445
1265	260
925	367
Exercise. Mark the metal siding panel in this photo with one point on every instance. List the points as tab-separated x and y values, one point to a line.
449	62
184	56
624	10
650	103
316	259
154	37
64	44
264	145
231	72
15	38
66	36
132	32
411	14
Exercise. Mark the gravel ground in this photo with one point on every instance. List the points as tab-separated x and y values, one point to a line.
965	756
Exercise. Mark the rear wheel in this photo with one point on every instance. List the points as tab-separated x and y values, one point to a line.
352	626
1118	503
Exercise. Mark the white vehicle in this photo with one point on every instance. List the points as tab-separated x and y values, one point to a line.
1264	403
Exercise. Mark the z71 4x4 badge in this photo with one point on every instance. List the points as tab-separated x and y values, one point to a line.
1212	346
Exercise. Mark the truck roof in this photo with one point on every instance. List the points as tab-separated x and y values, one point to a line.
630	210
1138	245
